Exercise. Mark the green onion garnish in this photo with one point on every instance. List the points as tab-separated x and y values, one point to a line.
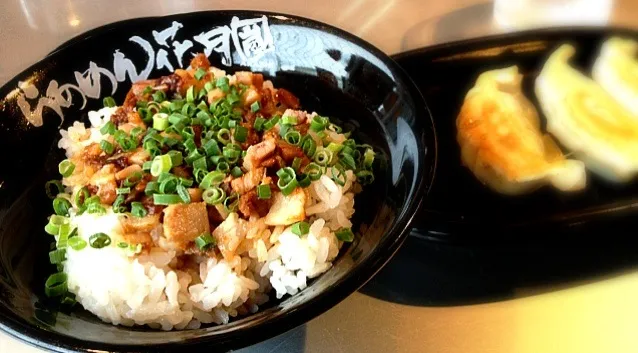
55	285
107	147
123	191
118	205
132	179
213	195
240	133
108	128
296	164
287	182
303	180
293	137
259	123
66	168
231	202
365	177
160	121
236	172
211	179
223	136
200	163
222	83
211	148
99	240
313	170
166	199
190	94
323	157
271	122
57	256
53	188
159	96
81	196
161	164
61	206
300	228
199	74
334	147
138	210
289	120
183	193
263	192
204	241
76	243
345	234
254	107
109	102
368	158
339	175
318	123
334	128
308	146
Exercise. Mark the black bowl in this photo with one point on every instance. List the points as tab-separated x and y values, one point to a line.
331	71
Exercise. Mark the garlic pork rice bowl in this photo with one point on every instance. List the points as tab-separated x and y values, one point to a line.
193	251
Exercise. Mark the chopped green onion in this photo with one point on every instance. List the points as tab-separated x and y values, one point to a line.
176	158
348	161
205	241
161	164
136	131
52	229
190	94
300	228
259	123
334	128
212	179
108	128
213	195
271	122
138	210
303	180
365	177
334	147
323	157
313	170
166	199
199	74
222	83
109	102
308	146
209	86
76	243
223	136
122	245
147	90
200	164
63	235
57	256
368	158
345	234
151	188
123	191
183	193
118	205
236	172
53	188
254	107
66	168
132	179
55	285
240	133
223	167
263	192
159	96
318	123
296	164
287	187
160	121
99	240
289	120
231	202
339	175
211	148
81	196
107	147
61	206
293	137
168	185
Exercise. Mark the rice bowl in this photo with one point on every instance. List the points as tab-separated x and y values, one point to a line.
234	229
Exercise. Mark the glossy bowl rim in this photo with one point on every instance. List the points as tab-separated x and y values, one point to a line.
302	313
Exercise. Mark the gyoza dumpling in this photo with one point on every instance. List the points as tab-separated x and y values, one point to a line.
586	119
616	70
501	142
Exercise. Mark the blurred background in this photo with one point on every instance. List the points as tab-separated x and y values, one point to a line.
488	299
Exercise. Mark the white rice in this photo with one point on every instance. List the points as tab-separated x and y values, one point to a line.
124	289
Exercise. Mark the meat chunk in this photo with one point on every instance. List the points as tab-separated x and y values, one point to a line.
229	235
170	84
251	204
183	223
288	152
248	181
255	154
137	230
200	61
287	98
104	180
286	210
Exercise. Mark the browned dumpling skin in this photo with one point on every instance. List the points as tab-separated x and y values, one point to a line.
501	143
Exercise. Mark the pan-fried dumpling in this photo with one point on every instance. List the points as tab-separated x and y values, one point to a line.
586	119
498	131
616	70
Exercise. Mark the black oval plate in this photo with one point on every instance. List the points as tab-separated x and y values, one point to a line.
460	209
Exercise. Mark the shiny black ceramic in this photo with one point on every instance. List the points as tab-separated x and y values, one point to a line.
463	211
331	71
